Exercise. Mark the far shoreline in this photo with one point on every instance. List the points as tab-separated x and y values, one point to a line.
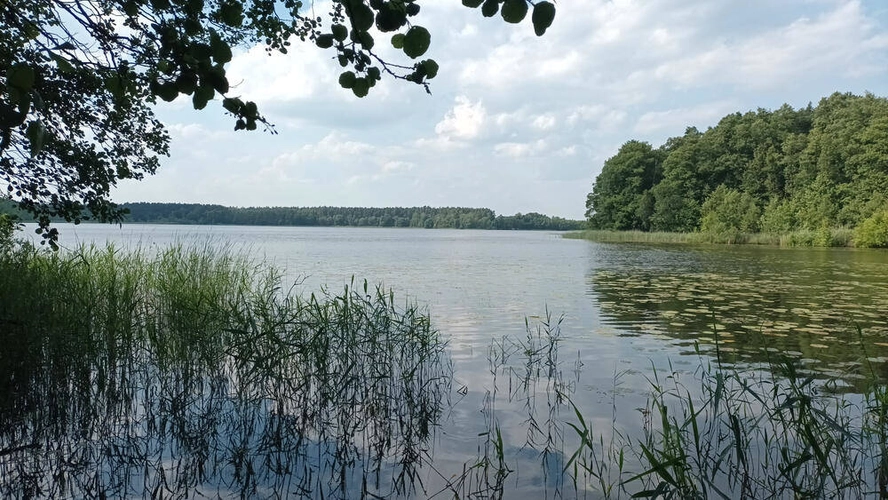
822	238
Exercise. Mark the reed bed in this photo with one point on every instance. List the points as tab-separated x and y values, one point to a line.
741	434
194	371
834	237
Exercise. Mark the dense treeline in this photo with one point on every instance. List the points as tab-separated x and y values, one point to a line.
423	217
777	171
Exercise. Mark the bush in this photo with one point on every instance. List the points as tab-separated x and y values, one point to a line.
873	232
728	211
777	217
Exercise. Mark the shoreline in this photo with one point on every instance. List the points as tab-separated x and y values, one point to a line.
822	238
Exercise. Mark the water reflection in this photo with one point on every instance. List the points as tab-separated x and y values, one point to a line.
750	302
346	412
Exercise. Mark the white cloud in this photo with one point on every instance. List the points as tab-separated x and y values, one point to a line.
464	120
544	122
510	112
838	41
521	150
676	120
265	78
397	166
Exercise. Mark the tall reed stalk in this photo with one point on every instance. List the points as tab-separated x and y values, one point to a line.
750	433
194	371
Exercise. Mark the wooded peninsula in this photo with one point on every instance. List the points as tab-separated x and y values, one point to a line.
819	171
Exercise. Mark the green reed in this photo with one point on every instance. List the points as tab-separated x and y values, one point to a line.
765	432
825	237
193	370
524	372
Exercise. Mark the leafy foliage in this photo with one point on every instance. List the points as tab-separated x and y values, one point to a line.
785	170
873	232
730	211
616	199
78	80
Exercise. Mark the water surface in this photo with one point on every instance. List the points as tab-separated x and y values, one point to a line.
626	310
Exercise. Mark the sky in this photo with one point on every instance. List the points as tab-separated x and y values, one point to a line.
515	122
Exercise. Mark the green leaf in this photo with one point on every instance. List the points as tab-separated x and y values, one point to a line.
62	63
167	91
20	76
24	104
543	15
201	51
361	16
9	117
186	82
489	8
373	73
398	41
416	41
347	79
472	3
113	85
361	87
430	67
192	26
513	11
215	78
391	17
131	8
36	136
38	101
232	13
324	41
232	105
31	30
202	95
221	50
366	40
340	32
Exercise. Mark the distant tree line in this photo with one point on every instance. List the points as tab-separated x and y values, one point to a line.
760	171
421	217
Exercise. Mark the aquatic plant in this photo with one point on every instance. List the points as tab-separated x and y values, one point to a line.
772	432
824	237
193	370
526	375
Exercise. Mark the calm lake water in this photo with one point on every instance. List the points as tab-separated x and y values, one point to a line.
625	310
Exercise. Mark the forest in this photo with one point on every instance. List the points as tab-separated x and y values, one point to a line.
814	168
419	217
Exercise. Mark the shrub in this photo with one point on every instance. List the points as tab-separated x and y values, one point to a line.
728	211
777	217
873	232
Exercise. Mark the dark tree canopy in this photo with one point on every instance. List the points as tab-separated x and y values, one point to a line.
78	79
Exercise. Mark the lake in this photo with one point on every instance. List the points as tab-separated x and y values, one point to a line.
625	311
